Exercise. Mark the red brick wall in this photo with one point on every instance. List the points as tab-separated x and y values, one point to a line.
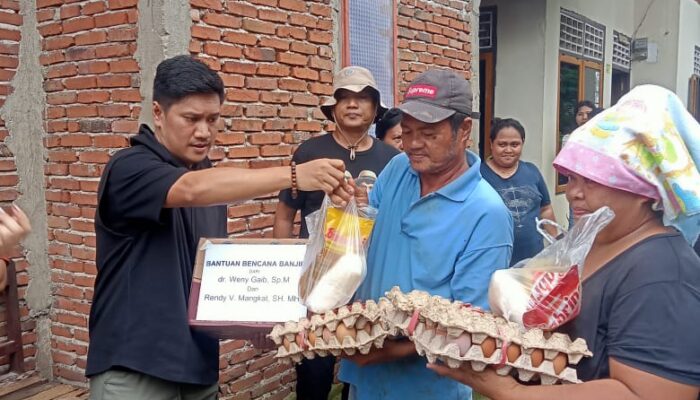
276	60
91	81
432	34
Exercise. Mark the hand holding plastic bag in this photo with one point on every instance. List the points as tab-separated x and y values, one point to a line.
335	260
545	291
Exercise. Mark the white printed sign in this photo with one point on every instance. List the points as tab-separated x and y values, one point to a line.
251	282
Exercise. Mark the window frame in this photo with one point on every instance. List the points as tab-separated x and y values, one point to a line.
563	12
565	57
488	56
694	96
345	44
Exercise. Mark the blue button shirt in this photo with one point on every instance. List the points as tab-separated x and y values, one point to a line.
447	243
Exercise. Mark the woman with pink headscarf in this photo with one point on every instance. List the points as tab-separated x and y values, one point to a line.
640	309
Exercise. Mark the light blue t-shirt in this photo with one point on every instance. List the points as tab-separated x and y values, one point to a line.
447	243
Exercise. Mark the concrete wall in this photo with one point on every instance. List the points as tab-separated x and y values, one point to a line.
520	58
614	16
689	28
527	69
658	21
527	66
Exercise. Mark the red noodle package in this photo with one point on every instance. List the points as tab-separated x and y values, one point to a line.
545	291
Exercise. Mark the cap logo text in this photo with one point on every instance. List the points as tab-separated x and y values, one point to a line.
421	91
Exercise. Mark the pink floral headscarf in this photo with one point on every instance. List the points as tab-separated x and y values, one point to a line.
646	144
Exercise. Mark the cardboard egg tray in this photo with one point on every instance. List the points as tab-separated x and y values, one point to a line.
450	331
360	325
455	333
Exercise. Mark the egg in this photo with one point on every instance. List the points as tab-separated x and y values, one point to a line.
326	335
537	357
342	331
559	363
367	328
286	343
312	338
300	340
464	342
488	346
513	352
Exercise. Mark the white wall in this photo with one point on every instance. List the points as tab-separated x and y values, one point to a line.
660	26
614	15
520	67
527	64
689	37
527	69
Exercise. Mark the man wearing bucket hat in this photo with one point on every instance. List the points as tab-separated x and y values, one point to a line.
355	106
441	228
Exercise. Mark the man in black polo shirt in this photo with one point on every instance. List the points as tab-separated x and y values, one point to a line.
156	200
354	107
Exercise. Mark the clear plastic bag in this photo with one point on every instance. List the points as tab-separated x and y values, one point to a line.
545	291
335	260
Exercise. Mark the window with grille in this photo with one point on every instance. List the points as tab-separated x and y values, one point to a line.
571	34
486	29
580	36
696	68
621	51
582	48
594	42
370	41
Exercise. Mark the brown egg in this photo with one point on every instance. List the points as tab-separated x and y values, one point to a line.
300	340
537	357
513	352
464	342
312	338
342	331
559	363
327	334
488	346
286	343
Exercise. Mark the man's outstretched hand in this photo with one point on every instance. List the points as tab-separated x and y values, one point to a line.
322	174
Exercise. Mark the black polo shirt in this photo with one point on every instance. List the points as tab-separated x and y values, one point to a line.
373	159
145	259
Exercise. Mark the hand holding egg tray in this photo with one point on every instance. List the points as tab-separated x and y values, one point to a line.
452	332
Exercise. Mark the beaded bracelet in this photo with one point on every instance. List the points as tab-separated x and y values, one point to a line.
295	189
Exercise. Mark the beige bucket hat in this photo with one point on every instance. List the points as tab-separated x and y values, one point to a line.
355	79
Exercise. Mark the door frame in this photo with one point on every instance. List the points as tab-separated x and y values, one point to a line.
490	88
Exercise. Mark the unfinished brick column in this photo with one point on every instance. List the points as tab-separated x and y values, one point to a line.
91	81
